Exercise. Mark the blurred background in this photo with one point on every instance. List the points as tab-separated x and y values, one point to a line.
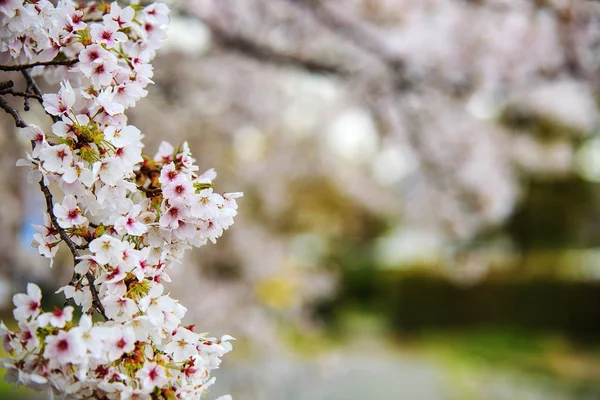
421	216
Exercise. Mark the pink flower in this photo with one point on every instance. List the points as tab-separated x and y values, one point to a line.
121	16
61	103
130	223
130	92
57	318
175	213
106	249
152	375
78	172
119	308
128	155
56	158
106	101
68	213
46	245
206	205
65	347
27	305
35	133
109	170
181	188
102	72
66	127
9	7
107	34
121	340
164	153
122	137
182	345
168	173
157	13
93	54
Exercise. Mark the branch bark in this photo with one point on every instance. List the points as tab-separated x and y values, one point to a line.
23	67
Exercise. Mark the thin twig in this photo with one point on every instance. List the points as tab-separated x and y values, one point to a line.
49	209
20	94
95	295
33	87
19	122
6	85
23	67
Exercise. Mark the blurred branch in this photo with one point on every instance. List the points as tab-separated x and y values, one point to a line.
349	30
261	52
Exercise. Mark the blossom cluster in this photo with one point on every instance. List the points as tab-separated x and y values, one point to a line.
126	217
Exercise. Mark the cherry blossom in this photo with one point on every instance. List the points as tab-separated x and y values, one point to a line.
68	213
57	318
61	103
108	33
28	305
56	158
151	376
65	347
127	218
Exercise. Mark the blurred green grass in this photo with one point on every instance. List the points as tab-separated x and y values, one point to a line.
549	359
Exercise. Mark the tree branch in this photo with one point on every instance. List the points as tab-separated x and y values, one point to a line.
33	87
95	296
20	94
19	122
347	29
261	52
23	67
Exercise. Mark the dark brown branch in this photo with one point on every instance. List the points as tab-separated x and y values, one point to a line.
19	122
37	64
20	94
95	296
33	87
61	232
6	85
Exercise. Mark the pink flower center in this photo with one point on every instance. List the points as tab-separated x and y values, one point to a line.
63	345
33	305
